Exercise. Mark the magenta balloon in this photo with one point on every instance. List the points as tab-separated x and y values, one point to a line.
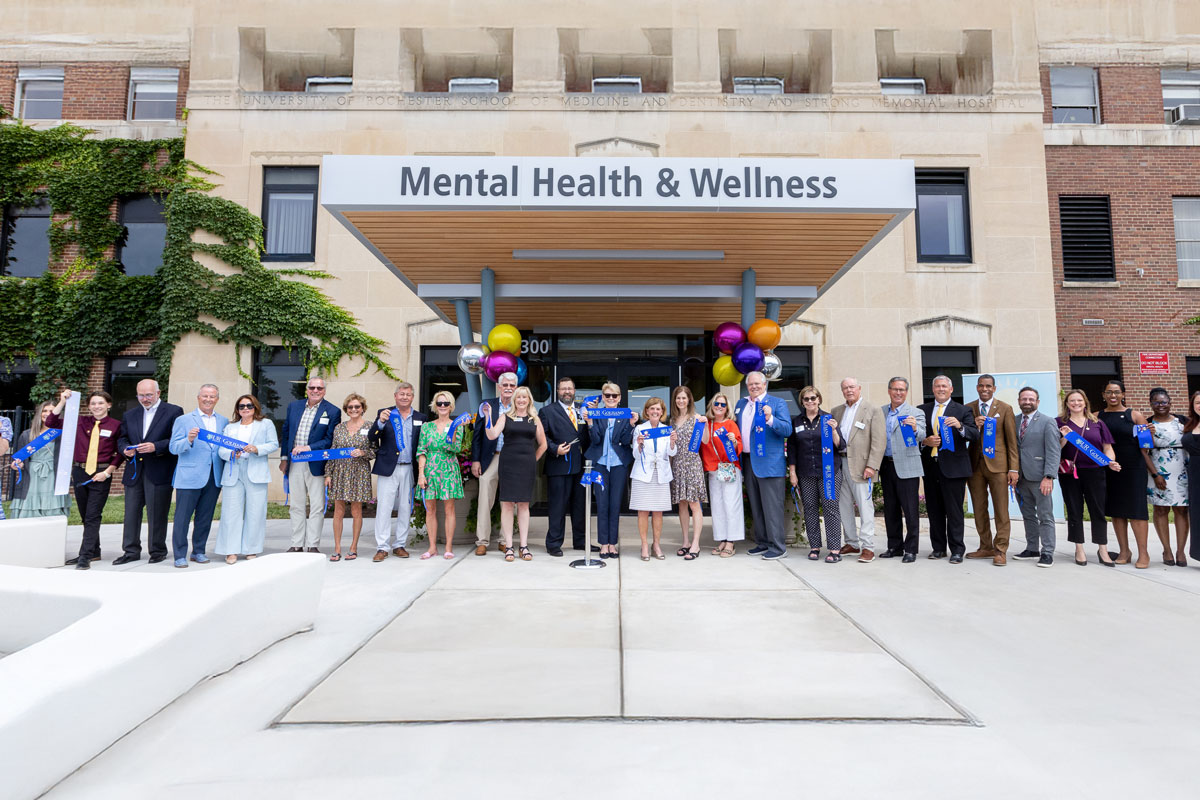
727	336
498	363
747	357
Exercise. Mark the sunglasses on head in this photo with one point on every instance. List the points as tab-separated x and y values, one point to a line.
245	405
442	403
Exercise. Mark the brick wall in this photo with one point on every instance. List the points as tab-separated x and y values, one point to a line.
1145	313
1131	95
184	76
95	90
1047	108
8	85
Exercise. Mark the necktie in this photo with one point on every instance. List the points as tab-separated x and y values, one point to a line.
571	412
983	409
937	426
1024	425
93	450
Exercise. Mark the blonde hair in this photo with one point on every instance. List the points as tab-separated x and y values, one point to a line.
610	385
437	396
512	405
362	401
728	407
1087	406
37	426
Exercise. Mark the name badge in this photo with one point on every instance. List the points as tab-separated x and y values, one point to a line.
799	429
324	420
417	423
105	433
860	426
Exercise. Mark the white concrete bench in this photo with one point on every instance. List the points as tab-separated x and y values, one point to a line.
33	542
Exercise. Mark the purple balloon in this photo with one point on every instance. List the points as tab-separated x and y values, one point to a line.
727	336
747	357
498	363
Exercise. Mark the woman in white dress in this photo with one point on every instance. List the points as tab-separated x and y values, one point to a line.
650	491
244	482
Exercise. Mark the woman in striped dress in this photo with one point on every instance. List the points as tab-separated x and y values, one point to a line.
650	491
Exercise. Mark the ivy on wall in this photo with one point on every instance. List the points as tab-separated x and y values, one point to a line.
64	322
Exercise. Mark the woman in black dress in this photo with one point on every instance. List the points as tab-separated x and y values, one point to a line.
524	444
1125	500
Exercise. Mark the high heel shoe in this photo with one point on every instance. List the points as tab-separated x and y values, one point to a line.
1104	563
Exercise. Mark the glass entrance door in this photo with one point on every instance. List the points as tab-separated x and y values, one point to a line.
638	382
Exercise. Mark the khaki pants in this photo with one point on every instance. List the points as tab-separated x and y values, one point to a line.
979	485
488	483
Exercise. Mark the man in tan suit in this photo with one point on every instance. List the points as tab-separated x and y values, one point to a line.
994	474
862	427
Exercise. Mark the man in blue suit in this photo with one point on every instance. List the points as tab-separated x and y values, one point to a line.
309	426
197	479
767	417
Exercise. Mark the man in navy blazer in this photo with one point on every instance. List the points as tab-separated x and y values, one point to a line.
308	426
764	475
566	440
946	471
197	479
394	466
144	439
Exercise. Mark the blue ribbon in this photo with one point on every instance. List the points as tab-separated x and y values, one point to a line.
827	466
947	434
610	413
459	420
205	435
397	430
286	491
760	430
592	477
1088	449
906	433
1144	436
796	500
593	399
697	436
487	418
43	439
989	437
323	455
731	452
657	433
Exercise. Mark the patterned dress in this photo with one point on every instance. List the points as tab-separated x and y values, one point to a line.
1169	461
350	478
442	472
687	470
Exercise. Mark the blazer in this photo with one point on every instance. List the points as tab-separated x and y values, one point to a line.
262	436
622	440
196	459
157	467
1041	447
867	440
774	463
906	460
954	463
320	435
804	446
483	449
385	442
643	462
1007	458
559	429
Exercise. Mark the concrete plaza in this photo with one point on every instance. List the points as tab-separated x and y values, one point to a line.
712	678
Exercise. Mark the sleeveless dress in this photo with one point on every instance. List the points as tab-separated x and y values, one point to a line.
517	468
1125	497
1169	461
687	468
350	478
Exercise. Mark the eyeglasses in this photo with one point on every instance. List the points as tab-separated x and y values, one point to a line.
316	388
612	396
442	403
245	405
810	399
720	405
354	408
147	395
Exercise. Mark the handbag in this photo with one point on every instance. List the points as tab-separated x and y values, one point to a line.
726	472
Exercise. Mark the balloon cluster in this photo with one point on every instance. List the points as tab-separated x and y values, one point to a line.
745	351
498	356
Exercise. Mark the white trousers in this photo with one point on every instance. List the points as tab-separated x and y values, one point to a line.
304	488
725	502
395	492
850	496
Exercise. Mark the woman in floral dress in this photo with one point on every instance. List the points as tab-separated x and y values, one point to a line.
1168	484
348	480
438	472
688	488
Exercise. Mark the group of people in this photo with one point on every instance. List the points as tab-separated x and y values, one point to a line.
1116	463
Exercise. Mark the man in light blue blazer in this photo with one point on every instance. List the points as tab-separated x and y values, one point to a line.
765	474
197	478
900	474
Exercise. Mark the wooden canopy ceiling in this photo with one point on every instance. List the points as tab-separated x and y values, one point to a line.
785	249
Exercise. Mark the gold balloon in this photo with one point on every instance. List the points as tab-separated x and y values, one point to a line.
506	338
725	373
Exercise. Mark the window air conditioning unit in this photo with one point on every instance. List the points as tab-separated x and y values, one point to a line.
757	86
327	85
623	83
490	85
906	86
1186	114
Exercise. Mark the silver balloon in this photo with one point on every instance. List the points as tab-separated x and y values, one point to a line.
470	358
772	366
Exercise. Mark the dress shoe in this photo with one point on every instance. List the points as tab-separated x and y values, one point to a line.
313	550
999	559
380	555
295	550
200	558
400	552
936	554
866	557
499	546
849	550
75	560
956	559
595	548
981	553
82	563
156	559
556	552
909	558
481	550
125	559
891	553
181	563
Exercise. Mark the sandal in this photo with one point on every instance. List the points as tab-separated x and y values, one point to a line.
336	557
728	553
814	554
525	554
833	558
683	551
508	554
692	555
718	550
351	555
252	555
428	554
231	559
447	555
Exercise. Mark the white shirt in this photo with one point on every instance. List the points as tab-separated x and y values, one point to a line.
209	421
748	422
148	417
848	420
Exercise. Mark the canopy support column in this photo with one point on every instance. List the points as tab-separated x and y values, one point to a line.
462	312
749	289
773	309
487	316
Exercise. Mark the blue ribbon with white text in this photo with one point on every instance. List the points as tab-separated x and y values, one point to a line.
760	430
827	481
592	477
324	455
610	413
697	436
43	439
205	435
397	430
989	437
906	433
459	420
947	434
1088	449
731	452
1144	436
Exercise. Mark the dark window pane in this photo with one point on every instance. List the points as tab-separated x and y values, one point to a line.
797	373
290	212
26	245
1076	116
41	99
953	362
440	372
943	220
1091	374
279	378
124	372
1193	376
154	99
16	382
145	235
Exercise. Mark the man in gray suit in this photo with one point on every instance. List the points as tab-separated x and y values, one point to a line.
1040	445
900	474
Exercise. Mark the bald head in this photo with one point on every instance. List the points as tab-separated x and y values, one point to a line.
147	392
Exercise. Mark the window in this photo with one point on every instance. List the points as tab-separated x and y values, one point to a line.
902	86
624	83
487	85
1179	87
153	92
1090	375
39	93
320	85
758	86
1074	95
1087	247
1193	375
290	213
25	243
17	378
279	378
124	373
1187	236
943	218
145	236
953	362
440	372
797	373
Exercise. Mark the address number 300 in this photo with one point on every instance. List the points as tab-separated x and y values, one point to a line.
535	347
